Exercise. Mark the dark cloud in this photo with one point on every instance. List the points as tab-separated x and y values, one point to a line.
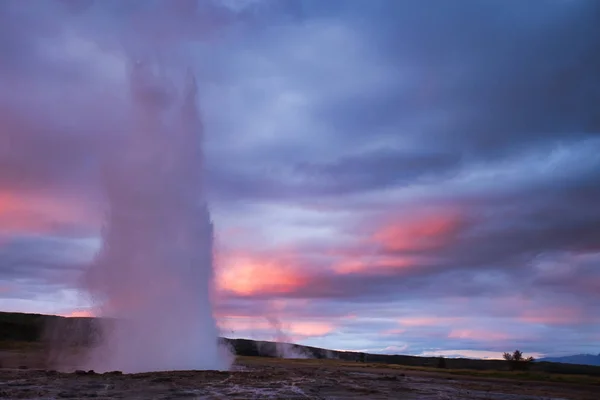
357	173
491	90
380	169
43	264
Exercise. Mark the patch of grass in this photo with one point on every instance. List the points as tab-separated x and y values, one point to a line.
533	376
521	375
516	375
32	332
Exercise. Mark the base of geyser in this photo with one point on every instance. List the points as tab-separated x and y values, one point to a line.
128	367
179	355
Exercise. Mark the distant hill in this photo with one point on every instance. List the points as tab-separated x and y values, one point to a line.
581	359
60	332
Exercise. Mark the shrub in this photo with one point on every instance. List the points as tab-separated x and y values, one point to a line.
517	362
441	362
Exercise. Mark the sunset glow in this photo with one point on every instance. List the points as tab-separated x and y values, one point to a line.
385	175
413	234
245	275
80	314
20	212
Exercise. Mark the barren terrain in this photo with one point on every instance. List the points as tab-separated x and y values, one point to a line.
267	378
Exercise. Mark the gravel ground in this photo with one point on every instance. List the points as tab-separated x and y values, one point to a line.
277	379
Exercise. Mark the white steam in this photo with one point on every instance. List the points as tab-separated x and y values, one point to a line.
154	273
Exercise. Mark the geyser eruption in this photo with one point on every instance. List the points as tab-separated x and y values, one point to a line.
153	276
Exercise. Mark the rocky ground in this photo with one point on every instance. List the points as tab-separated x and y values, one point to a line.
255	378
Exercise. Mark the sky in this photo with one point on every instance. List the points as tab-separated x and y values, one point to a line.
391	176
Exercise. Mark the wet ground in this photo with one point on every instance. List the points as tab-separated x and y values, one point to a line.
255	378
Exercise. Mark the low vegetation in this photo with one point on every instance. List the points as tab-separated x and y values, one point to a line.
518	362
534	376
442	363
22	332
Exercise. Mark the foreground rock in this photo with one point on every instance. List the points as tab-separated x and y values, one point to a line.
269	379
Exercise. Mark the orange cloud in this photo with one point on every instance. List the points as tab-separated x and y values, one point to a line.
246	274
80	314
311	328
419	231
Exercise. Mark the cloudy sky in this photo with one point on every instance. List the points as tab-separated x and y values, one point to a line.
415	177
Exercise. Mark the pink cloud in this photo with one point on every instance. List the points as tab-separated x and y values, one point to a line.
373	263
284	271
294	329
562	315
415	231
482	335
6	288
311	328
22	214
393	332
419	230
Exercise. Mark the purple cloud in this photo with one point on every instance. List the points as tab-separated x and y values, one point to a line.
400	176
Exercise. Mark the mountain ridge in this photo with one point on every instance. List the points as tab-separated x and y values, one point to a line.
579	359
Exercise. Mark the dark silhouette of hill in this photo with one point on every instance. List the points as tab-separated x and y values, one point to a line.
55	331
582	359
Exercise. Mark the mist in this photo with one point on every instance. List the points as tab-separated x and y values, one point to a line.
154	273
132	105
